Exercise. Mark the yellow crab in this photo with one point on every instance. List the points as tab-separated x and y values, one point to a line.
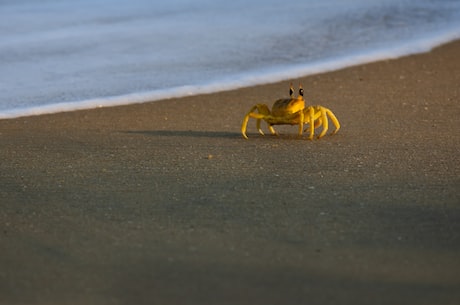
291	111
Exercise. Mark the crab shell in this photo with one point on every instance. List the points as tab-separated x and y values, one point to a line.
288	106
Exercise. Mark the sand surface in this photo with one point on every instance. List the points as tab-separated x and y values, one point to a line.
166	203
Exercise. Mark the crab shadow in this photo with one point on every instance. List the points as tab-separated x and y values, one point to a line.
186	133
214	135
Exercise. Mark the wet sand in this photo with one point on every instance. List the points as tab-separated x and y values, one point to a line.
166	203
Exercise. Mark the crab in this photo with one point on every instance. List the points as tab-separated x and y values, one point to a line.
292	111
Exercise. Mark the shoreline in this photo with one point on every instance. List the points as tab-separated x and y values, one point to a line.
165	202
302	71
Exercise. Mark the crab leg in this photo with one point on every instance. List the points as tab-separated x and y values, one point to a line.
258	127
244	126
334	120
309	112
324	121
301	122
272	130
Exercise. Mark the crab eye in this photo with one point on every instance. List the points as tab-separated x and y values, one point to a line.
291	91
301	91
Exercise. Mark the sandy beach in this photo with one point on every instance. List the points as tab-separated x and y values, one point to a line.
166	203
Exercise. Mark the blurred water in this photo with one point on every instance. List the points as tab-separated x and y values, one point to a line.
59	55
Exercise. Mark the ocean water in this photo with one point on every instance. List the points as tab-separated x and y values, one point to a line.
63	55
